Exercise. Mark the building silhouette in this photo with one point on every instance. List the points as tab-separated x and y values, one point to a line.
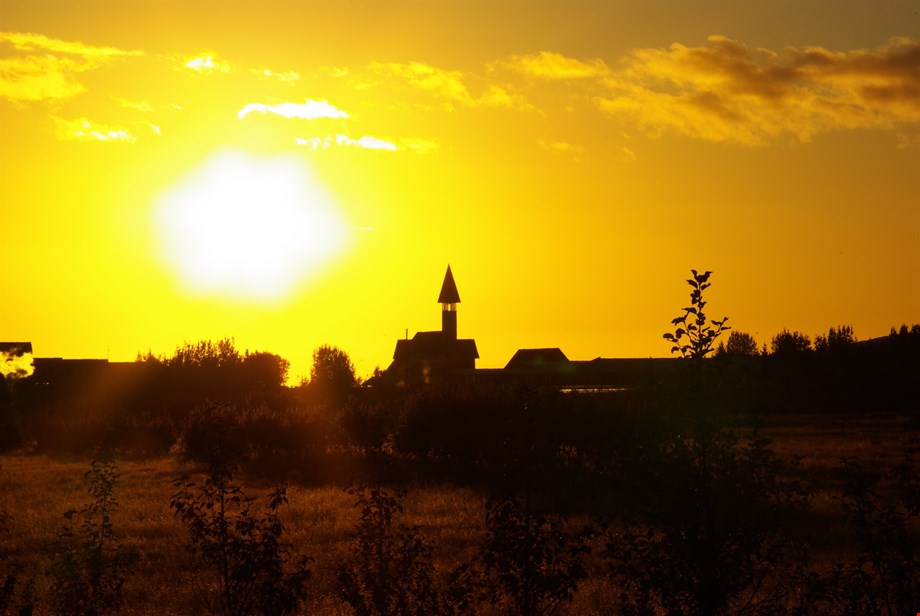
436	355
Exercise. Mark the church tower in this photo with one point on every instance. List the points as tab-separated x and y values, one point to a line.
434	356
449	298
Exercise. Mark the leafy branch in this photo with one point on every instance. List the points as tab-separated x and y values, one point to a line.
695	333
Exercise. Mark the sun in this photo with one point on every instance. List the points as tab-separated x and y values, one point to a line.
248	228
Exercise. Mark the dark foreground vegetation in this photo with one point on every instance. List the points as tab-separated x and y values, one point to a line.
691	494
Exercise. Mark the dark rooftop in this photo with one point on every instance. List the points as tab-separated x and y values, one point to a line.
536	359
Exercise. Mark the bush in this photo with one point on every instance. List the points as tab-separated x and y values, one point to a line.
529	564
390	569
15	593
90	567
884	577
254	571
709	533
214	431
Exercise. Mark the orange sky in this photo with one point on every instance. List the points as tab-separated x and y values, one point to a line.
298	173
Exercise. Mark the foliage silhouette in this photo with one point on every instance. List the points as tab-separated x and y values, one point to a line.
706	530
837	338
214	431
210	371
708	534
694	337
255	571
884	577
789	343
265	371
332	375
15	591
739	344
90	568
389	571
530	565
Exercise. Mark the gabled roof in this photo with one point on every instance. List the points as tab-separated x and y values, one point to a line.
537	358
434	344
449	293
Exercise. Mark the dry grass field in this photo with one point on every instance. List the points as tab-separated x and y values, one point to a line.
37	489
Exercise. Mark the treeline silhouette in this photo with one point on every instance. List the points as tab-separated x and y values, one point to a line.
158	403
690	511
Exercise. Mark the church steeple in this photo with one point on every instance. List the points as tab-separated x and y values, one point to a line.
449	298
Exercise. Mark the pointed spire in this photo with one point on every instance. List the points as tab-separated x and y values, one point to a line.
449	294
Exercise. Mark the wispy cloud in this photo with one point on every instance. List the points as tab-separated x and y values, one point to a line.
206	64
730	92
550	65
209	63
39	78
366	143
310	110
445	86
26	41
562	147
500	97
284	77
420	146
336	72
81	129
142	106
46	68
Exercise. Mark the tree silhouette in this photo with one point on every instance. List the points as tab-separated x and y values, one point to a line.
332	374
789	343
738	344
836	338
265	371
206	354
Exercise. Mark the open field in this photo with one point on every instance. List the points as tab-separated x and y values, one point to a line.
37	489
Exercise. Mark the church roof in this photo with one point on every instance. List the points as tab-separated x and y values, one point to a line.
434	344
449	293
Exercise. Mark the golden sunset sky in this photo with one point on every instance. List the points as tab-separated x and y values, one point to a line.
297	173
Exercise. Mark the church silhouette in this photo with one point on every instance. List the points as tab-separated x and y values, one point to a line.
436	355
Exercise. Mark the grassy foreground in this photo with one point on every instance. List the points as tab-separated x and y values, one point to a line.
319	521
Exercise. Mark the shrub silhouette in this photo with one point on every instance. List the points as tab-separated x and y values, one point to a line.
706	534
255	570
214	430
884	577
88	572
15	592
710	533
529	564
389	571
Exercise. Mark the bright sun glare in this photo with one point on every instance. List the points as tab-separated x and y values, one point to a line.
248	228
